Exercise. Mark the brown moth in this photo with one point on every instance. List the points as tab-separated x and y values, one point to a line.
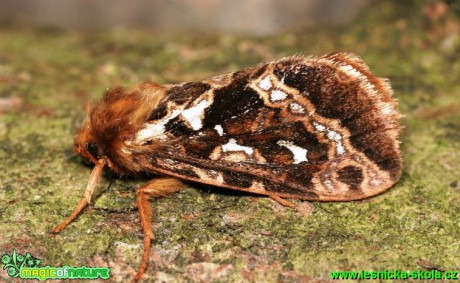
320	129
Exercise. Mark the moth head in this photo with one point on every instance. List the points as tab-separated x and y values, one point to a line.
103	125
112	121
85	145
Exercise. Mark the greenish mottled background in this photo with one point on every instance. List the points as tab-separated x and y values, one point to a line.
205	234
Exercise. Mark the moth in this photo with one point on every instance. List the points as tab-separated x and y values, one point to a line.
317	128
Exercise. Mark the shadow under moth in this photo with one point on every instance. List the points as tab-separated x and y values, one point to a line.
318	129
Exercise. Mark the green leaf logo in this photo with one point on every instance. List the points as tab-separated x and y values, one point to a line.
15	262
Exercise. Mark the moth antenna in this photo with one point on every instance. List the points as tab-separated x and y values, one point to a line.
92	182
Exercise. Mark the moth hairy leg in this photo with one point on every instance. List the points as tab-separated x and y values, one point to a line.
282	201
86	195
155	188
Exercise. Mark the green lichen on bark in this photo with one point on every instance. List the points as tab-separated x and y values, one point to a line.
208	234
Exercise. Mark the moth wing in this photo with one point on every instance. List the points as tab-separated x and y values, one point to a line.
318	129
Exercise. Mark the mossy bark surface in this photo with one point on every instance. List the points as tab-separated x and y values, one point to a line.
206	234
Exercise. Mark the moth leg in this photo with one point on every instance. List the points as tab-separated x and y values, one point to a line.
155	188
86	196
282	201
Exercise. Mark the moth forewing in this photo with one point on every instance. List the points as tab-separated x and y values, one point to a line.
321	129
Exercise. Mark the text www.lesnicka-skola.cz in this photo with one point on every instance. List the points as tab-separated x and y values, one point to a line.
395	274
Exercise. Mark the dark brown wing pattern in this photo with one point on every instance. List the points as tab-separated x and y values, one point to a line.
318	129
